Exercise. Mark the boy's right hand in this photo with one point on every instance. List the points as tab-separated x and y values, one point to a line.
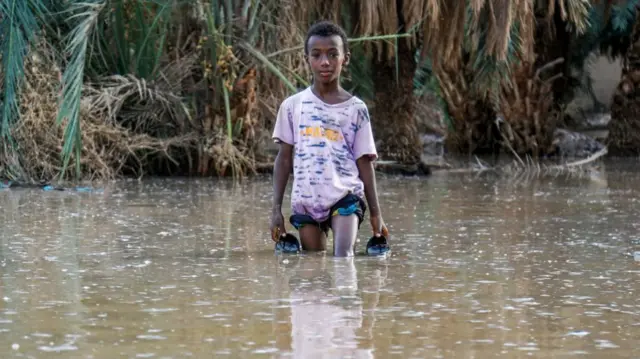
277	225
378	226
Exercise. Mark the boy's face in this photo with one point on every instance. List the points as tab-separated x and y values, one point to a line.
326	57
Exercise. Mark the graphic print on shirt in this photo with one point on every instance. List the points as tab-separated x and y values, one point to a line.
326	140
322	146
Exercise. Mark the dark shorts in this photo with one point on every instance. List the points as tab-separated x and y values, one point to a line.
348	205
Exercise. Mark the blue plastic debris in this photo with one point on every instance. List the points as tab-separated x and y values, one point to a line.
76	189
84	189
6	184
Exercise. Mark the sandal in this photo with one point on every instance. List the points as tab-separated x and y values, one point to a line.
377	246
288	243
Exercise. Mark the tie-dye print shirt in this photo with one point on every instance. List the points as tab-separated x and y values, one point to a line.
327	140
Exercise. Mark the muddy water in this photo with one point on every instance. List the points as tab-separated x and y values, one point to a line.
481	267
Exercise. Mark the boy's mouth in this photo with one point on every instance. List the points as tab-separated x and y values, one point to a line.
326	73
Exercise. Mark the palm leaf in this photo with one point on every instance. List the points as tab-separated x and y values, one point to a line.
269	65
84	16
150	43
19	27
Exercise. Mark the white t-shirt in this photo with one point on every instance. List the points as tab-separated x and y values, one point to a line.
327	140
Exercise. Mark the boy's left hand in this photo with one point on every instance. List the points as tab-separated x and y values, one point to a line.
378	226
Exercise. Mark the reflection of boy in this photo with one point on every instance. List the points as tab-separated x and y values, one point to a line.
321	327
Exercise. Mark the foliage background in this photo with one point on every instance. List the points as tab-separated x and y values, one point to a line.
103	88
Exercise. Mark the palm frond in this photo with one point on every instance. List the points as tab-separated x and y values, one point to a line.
359	79
18	28
84	16
270	66
444	32
615	29
608	33
135	103
576	14
151	38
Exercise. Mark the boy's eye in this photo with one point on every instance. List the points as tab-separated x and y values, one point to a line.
331	55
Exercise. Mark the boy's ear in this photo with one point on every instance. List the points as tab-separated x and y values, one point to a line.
347	58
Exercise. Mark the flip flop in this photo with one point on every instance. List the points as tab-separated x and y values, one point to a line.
288	243
377	246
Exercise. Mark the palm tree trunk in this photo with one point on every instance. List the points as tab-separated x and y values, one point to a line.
393	115
471	130
527	108
624	128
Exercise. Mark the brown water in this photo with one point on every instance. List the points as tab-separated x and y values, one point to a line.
481	267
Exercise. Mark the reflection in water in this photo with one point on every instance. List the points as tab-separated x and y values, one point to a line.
481	267
326	308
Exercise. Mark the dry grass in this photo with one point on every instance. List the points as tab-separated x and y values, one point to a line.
443	28
128	125
528	167
107	146
523	170
288	33
128	122
229	157
527	110
471	115
521	96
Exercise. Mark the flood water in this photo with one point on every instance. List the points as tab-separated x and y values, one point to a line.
481	266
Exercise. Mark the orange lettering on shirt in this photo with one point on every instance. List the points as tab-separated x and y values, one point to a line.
319	132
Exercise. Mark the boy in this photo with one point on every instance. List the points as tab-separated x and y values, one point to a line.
326	140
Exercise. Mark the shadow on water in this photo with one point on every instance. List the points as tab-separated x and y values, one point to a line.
481	266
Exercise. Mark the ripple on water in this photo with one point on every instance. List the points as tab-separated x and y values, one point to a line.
578	333
605	344
58	348
151	337
145	355
265	351
159	310
484	265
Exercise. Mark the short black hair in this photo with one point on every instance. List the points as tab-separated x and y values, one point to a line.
326	29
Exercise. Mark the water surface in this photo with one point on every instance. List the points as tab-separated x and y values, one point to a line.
481	266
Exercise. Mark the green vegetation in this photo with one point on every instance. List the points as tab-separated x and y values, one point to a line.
103	88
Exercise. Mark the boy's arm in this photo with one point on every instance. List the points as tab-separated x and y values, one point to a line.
364	150
368	177
282	168
283	165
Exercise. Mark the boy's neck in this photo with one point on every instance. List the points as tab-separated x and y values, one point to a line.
323	90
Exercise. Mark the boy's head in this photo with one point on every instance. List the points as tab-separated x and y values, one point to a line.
326	50
326	29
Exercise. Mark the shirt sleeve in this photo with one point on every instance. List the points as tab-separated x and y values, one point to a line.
283	129
363	143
